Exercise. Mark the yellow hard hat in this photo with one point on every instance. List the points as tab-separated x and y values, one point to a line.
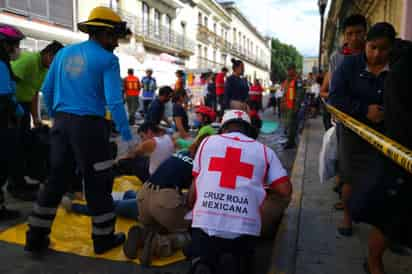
103	17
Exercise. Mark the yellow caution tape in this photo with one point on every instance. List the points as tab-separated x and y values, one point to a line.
398	153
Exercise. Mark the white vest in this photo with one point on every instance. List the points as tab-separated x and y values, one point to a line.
164	149
231	171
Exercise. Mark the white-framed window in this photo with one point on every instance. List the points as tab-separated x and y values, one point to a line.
157	22
199	19
169	28
145	17
206	21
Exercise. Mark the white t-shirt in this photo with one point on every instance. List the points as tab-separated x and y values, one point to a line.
315	89
232	171
164	149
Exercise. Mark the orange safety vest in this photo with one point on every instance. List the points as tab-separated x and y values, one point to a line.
290	93
132	85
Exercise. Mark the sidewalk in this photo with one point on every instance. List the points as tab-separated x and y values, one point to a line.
307	242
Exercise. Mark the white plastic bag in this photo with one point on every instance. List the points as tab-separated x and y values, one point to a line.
328	155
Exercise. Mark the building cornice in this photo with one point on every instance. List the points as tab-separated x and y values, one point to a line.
215	7
232	9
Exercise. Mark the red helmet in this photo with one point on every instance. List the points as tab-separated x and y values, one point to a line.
209	112
10	33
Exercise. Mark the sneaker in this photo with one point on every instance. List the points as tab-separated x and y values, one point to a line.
36	243
104	244
67	203
134	241
8	214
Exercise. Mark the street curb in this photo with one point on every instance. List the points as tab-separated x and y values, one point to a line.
285	244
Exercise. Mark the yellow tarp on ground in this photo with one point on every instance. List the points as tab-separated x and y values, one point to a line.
71	232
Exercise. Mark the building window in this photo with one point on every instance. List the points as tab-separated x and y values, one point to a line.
199	19
234	36
214	56
157	23
205	53
206	21
169	27
114	4
145	18
215	28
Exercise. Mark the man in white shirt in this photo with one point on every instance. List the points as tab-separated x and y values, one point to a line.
231	172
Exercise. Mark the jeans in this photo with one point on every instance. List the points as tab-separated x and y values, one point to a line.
126	207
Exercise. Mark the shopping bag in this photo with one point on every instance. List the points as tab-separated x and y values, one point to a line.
328	155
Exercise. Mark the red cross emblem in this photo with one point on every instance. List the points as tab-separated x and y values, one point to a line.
231	167
239	114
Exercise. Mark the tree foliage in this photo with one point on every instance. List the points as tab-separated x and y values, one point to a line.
282	56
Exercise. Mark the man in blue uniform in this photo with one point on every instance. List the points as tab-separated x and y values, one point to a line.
83	79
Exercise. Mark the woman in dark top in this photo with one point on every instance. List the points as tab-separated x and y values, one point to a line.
388	203
179	114
357	89
236	88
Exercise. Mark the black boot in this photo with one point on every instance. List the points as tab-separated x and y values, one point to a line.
134	241
36	242
106	243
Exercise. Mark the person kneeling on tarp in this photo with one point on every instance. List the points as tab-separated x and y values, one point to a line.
162	208
229	170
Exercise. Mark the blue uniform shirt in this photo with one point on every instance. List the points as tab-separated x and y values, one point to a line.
82	80
176	171
149	87
7	84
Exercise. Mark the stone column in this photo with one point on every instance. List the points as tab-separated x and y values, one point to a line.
406	31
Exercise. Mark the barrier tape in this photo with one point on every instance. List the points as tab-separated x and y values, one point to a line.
396	152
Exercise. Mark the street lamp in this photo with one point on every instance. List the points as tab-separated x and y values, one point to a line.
322	7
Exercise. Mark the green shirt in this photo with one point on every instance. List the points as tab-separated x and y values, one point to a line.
31	73
206	130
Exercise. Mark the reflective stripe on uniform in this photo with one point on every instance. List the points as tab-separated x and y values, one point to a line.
37	222
100	166
41	210
103	231
103	218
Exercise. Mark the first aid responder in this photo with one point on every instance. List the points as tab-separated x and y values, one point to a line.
230	172
10	110
83	79
294	95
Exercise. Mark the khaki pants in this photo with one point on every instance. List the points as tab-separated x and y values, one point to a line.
272	212
162	207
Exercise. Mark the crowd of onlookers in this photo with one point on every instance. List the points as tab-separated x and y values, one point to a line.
367	79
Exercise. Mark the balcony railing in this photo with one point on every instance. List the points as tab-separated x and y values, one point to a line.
204	63
59	12
156	33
